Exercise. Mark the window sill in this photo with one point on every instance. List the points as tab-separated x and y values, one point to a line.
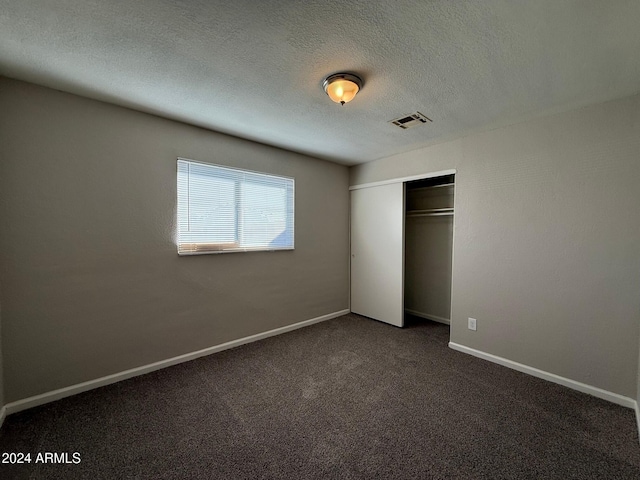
233	250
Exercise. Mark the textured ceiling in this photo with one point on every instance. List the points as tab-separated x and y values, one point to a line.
254	68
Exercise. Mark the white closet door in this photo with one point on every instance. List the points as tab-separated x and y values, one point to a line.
377	253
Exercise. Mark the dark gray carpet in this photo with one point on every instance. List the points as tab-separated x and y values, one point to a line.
344	399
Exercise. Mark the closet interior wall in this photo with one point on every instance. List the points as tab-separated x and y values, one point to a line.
428	248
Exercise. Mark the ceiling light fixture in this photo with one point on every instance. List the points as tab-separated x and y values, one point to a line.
342	87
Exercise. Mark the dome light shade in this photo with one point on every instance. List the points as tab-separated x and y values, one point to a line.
342	87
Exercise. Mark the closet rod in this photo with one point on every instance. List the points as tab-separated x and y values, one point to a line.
431	210
434	214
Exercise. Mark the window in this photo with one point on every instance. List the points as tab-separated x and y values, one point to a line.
222	209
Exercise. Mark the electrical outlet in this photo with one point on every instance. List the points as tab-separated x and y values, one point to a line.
472	324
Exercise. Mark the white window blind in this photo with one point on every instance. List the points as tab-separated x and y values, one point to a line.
222	209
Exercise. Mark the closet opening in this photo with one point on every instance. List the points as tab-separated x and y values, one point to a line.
428	248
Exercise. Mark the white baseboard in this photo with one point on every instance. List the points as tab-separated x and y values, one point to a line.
581	387
638	417
3	414
54	395
428	316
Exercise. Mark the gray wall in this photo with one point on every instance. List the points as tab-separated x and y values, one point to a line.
91	281
546	240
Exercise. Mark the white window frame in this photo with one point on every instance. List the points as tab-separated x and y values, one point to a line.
203	248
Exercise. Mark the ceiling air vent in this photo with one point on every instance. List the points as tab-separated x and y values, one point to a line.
411	120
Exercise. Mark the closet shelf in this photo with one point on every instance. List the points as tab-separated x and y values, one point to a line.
431	212
433	186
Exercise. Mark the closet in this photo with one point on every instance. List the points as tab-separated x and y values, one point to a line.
401	248
428	241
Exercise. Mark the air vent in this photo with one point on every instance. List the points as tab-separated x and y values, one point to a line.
412	120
